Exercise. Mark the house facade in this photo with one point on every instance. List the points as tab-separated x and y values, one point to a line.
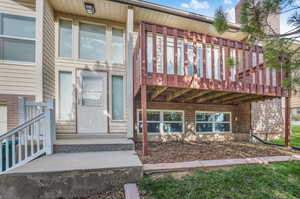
113	66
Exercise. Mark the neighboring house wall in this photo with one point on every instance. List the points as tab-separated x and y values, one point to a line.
240	122
267	119
74	63
16	78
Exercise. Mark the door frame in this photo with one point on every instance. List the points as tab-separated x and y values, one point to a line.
76	95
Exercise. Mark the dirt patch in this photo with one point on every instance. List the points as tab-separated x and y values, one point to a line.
170	152
119	194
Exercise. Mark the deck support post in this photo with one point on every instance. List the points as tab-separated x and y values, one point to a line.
144	119
287	121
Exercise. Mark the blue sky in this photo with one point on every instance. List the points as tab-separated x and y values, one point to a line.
203	7
207	8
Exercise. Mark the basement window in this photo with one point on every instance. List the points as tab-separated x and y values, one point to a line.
209	122
159	121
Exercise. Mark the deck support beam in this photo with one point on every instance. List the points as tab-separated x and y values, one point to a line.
157	92
199	94
210	97
178	93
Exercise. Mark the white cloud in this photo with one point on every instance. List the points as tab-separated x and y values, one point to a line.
231	14
195	5
228	1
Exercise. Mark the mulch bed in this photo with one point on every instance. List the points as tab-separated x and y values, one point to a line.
170	152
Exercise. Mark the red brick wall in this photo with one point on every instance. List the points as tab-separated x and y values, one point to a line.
11	101
240	115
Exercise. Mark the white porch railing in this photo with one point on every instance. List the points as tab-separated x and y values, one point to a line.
33	137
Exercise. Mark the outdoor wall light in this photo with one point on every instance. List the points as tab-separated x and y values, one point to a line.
89	8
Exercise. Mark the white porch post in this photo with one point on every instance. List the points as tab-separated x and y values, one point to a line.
50	133
129	56
39	49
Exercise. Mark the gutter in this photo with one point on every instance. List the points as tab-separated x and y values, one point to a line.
172	11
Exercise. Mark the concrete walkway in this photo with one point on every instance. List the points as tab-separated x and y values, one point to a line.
59	162
164	167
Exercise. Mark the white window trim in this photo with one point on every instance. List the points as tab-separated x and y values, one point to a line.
20	38
213	132
124	96
161	122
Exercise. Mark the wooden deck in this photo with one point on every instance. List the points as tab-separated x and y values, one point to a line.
249	77
175	65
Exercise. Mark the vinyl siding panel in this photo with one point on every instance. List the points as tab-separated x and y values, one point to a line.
48	52
17	78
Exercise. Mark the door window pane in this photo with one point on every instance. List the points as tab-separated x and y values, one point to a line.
149	53
92	89
117	46
191	59
170	55
208	62
65	38
217	63
117	98
200	60
18	26
180	60
160	53
18	50
92	42
65	96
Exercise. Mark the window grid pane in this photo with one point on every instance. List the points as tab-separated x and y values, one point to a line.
117	98
18	50
65	96
92	42
213	122
18	26
65	38
117	46
162	121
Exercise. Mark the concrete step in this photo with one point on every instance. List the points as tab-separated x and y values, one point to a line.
76	145
71	175
87	136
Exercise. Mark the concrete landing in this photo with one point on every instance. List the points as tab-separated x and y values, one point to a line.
75	145
69	175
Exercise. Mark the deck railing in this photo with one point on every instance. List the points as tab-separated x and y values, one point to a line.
34	137
167	56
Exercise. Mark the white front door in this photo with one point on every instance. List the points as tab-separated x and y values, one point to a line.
92	102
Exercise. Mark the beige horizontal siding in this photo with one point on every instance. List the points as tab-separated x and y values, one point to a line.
17	79
22	7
